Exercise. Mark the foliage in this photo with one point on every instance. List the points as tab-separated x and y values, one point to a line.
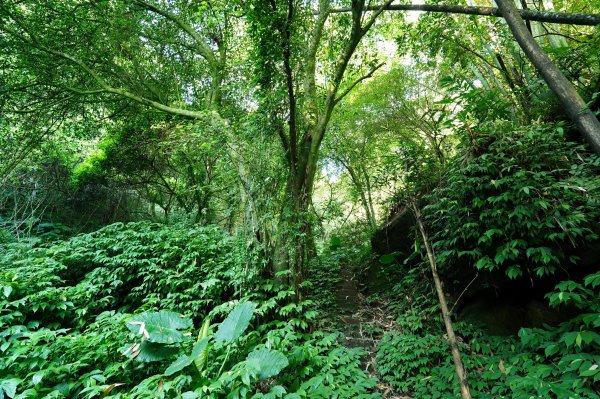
406	360
168	165
236	323
66	322
266	363
559	361
273	138
526	197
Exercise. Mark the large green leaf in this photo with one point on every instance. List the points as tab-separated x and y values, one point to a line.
202	359
236	323
9	387
160	327
185	360
387	259
266	363
149	351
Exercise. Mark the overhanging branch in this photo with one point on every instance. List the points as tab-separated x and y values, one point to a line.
357	81
202	47
104	86
529	15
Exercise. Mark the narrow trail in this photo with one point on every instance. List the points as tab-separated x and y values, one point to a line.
363	326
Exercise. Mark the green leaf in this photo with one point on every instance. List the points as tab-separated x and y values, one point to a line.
236	323
160	327
551	350
387	259
278	391
513	272
569	338
591	371
10	386
149	351
37	377
184	360
209	283
484	262
202	358
593	280
7	289
266	363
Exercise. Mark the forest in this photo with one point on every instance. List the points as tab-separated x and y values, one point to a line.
292	199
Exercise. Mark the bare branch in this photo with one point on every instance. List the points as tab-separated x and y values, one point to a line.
310	86
40	108
530	15
378	11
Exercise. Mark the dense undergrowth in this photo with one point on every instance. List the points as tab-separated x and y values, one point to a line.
510	213
144	309
521	204
560	361
66	306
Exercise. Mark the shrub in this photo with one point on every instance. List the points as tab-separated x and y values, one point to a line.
559	362
65	309
519	205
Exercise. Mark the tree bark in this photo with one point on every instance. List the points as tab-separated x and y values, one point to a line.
574	106
369	196
529	15
458	365
363	192
295	242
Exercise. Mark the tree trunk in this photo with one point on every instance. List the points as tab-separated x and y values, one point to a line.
294	246
302	150
458	365
362	192
370	197
574	106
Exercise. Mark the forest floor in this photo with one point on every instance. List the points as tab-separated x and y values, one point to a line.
363	323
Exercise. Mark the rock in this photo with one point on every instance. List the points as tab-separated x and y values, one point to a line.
397	235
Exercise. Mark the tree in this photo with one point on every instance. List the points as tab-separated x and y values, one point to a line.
575	107
184	60
117	53
529	15
390	112
299	36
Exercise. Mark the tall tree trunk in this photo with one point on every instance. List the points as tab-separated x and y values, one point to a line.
369	196
458	364
295	246
574	106
363	192
302	145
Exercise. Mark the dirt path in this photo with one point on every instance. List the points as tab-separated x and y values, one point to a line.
363	326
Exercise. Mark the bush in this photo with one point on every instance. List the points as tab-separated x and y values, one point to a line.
559	362
65	309
519	205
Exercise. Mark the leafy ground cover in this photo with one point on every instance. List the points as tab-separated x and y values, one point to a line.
147	309
119	312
